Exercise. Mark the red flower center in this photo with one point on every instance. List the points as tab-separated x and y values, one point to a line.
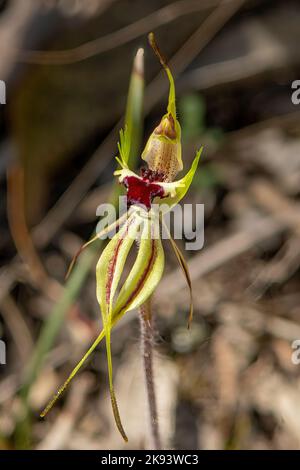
141	191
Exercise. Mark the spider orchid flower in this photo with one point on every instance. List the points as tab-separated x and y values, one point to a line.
140	225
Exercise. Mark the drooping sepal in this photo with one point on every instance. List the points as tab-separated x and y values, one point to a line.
185	269
146	271
108	272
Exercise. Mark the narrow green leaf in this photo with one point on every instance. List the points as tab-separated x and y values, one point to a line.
130	137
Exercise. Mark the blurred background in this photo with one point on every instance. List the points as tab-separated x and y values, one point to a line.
230	382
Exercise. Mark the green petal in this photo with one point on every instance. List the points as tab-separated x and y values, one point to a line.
185	269
108	272
161	151
145	273
182	185
172	94
115	225
114	402
112	260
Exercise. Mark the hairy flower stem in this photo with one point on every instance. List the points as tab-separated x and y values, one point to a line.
147	351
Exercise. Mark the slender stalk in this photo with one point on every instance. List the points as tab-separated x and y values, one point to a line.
147	352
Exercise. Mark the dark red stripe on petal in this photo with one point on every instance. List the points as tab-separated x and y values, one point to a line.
143	277
113	263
